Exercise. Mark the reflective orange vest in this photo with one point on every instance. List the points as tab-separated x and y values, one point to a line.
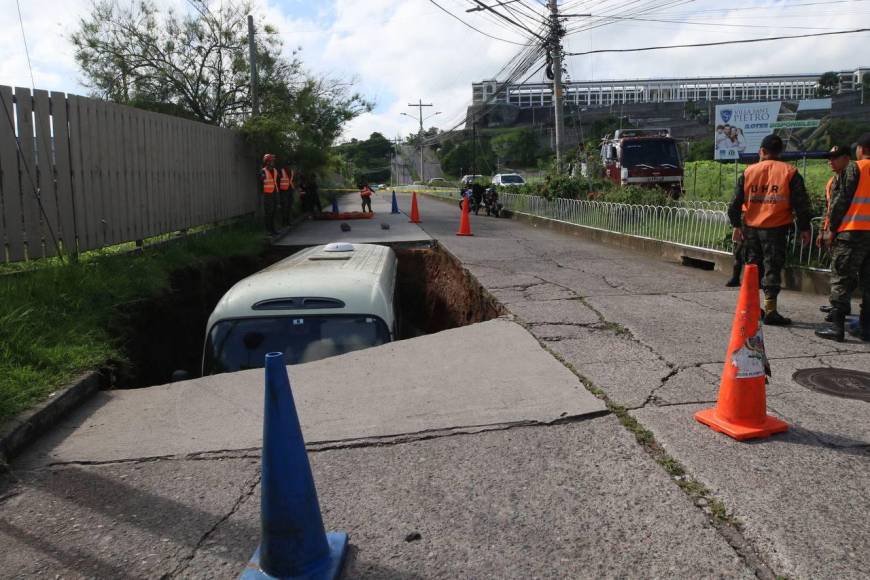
285	183
270	176
828	187
858	216
767	196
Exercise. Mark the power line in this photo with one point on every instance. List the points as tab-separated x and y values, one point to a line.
474	28
508	19
724	42
45	140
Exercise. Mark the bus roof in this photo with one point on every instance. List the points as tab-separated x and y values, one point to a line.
361	279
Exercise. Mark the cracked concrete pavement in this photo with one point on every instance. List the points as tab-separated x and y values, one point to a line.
576	499
652	336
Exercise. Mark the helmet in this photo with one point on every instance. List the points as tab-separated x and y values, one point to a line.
268	157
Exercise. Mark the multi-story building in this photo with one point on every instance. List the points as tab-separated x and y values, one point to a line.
612	92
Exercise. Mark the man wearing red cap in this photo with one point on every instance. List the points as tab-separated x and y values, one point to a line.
848	226
269	179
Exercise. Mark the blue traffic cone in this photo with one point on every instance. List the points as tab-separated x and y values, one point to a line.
335	204
395	203
294	544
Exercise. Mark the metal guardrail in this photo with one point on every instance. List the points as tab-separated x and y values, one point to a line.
695	224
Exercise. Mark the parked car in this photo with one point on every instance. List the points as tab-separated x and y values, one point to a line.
437	181
469	179
321	302
382	186
508	179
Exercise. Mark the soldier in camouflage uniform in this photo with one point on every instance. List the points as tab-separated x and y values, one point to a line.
769	196
849	230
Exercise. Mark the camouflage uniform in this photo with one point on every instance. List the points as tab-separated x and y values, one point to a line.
850	255
767	247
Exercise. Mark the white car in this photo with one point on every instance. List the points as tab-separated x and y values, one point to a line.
508	179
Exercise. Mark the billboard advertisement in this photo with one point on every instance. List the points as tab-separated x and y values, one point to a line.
740	127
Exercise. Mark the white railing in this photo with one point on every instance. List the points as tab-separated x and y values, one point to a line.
702	225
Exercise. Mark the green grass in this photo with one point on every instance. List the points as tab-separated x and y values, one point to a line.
712	180
54	317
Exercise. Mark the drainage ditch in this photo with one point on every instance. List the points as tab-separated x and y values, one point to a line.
165	334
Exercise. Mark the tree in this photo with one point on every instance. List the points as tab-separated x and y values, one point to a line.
519	146
828	83
370	158
196	65
193	64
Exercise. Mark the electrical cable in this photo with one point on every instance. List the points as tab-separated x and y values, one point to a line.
722	43
36	190
473	27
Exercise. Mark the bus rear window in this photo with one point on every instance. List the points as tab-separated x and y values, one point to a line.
235	345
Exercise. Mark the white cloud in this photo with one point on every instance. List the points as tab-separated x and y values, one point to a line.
403	50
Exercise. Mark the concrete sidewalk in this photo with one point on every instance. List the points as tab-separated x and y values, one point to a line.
652	335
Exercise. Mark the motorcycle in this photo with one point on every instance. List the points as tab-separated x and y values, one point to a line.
491	203
473	202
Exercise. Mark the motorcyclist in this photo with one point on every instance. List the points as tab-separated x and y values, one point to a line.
476	197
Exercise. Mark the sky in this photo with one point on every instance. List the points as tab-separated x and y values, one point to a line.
400	51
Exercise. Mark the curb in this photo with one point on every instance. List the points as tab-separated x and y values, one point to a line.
22	430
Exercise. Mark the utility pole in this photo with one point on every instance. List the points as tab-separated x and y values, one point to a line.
396	144
419	107
556	32
252	55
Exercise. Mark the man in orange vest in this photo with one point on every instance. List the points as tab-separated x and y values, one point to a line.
285	189
269	179
768	197
849	228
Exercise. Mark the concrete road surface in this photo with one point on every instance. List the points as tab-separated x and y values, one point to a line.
652	335
164	482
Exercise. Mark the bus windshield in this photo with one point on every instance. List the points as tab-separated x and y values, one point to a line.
235	345
650	152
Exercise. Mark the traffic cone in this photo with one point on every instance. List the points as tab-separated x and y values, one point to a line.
294	544
395	204
415	211
465	222
741	410
334	204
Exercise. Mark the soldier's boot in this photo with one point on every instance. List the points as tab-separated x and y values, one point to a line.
826	308
771	316
829	317
862	331
837	329
734	282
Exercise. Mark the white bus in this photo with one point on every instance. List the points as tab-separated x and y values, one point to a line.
321	302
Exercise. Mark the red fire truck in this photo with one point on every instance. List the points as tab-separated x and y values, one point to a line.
645	157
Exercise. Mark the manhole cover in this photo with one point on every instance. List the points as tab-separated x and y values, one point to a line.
837	382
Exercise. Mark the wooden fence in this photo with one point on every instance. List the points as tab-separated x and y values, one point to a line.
83	174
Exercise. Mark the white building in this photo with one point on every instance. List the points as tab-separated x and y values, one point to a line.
674	90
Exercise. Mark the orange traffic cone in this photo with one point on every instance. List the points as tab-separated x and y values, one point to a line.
415	211
741	411
465	223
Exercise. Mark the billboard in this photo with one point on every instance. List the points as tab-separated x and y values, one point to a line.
740	127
